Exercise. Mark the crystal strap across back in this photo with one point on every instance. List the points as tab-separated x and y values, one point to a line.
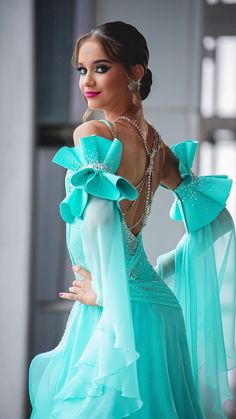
146	180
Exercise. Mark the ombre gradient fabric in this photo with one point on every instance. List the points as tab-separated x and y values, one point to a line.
161	340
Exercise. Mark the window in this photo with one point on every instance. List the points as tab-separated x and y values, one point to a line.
218	93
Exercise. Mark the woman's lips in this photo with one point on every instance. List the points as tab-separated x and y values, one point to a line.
91	94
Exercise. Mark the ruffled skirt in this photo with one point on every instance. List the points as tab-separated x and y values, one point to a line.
165	377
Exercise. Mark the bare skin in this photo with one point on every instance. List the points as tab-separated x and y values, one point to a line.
110	80
81	290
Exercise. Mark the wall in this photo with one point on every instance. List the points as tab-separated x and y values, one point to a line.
16	120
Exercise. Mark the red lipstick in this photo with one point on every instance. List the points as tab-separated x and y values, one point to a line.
91	94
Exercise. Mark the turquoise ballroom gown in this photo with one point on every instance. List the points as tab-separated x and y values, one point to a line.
161	340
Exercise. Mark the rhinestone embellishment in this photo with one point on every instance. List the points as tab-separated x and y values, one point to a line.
146	180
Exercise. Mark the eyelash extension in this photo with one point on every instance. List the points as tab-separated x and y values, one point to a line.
99	66
104	66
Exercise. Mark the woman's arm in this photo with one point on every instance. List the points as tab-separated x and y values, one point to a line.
93	198
170	172
82	291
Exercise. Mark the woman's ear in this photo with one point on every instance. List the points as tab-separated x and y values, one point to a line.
137	72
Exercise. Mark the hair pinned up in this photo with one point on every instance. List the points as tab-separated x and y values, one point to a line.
123	43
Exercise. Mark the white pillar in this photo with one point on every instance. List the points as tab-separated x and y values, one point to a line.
16	151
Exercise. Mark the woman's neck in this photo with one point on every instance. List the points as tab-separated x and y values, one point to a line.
132	112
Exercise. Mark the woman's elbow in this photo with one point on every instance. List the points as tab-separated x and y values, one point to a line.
171	175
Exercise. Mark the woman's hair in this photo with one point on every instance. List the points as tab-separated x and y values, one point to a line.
122	43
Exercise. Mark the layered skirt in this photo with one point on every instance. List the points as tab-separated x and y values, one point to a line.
164	370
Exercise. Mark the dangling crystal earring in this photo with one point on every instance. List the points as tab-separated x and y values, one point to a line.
134	85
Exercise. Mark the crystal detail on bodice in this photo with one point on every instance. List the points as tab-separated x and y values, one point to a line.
131	241
144	282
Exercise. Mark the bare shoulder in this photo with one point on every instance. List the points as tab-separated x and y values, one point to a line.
90	128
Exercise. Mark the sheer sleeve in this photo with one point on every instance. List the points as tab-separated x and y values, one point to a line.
108	364
201	271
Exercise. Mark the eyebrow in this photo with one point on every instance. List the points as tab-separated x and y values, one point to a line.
99	61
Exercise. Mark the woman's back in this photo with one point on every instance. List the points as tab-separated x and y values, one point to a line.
134	162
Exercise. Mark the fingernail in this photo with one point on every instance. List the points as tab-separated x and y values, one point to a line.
60	293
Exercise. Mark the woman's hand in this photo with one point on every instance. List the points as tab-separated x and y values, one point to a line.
81	289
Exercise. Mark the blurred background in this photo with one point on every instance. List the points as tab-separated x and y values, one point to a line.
193	59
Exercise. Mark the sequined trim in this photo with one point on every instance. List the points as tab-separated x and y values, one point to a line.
188	189
154	290
97	166
131	241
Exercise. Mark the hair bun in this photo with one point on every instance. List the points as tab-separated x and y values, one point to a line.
146	84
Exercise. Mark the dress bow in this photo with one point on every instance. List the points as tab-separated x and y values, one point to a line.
93	164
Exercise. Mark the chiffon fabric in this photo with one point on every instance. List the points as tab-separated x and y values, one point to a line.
161	340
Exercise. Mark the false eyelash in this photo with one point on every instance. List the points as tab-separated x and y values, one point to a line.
101	65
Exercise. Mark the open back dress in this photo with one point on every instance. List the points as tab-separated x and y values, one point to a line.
160	341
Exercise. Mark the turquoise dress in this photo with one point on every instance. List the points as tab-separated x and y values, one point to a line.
161	340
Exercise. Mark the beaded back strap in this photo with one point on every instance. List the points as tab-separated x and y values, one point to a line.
145	181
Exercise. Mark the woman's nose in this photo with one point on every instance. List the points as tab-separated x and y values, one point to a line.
89	79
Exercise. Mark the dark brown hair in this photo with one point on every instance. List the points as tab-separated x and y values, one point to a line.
122	43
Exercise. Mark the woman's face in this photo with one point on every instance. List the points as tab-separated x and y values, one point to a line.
103	82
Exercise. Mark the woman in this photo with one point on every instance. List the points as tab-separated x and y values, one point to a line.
125	351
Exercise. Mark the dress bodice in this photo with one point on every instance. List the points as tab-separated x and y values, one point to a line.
144	282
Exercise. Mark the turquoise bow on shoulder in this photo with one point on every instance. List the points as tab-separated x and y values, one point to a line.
198	199
93	162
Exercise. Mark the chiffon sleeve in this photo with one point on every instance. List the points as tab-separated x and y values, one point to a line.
107	367
202	273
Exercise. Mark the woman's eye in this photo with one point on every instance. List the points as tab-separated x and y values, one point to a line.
82	70
99	69
102	69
